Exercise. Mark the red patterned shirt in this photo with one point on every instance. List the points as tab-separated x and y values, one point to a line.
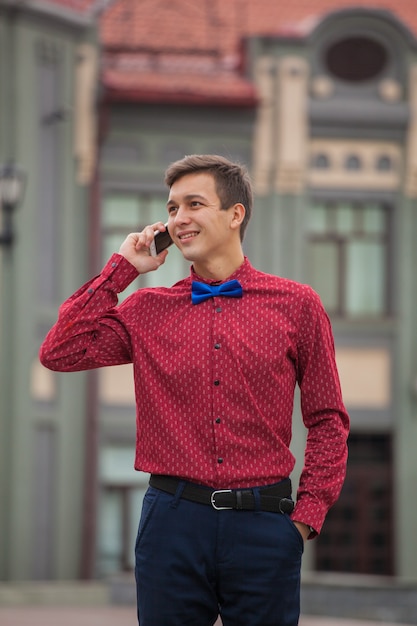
215	381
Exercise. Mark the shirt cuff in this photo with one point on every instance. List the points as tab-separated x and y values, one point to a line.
310	515
120	272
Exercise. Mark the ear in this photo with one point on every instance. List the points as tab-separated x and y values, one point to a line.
238	215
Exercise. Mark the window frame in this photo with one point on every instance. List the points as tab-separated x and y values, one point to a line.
335	198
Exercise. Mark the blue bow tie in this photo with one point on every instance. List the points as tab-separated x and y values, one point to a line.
202	291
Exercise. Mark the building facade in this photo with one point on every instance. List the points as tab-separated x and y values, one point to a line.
324	115
48	92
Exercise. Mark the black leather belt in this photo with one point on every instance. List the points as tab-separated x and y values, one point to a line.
274	498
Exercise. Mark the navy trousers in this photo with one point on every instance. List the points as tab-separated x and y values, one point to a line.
194	563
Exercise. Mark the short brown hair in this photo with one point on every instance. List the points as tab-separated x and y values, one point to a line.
232	180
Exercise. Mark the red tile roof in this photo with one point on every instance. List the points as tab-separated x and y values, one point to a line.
190	50
198	79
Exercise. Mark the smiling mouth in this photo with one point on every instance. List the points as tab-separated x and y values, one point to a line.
187	236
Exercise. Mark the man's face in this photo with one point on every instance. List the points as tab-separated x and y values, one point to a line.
198	225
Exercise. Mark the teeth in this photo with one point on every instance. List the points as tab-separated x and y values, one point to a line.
187	236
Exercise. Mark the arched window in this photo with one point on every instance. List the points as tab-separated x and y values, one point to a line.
384	163
356	58
320	161
353	162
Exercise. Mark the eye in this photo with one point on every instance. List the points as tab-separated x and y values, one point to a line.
171	209
195	203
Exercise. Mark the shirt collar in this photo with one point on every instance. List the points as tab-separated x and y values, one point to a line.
240	274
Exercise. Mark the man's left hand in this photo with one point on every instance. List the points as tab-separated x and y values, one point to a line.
303	529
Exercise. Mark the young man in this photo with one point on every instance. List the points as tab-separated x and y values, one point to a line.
216	359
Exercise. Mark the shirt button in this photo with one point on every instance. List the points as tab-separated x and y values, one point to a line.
217	346
217	383
90	290
218	309
114	264
220	460
218	420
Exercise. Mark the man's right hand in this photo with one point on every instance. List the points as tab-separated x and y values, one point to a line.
135	249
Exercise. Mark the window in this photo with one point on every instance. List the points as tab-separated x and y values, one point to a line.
123	213
384	163
120	503
358	533
119	513
353	162
320	162
347	257
356	59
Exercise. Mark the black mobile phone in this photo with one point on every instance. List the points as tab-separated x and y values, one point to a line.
161	241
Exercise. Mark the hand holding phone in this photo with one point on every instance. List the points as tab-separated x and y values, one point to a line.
162	240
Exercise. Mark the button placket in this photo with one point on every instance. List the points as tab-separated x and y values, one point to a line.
217	379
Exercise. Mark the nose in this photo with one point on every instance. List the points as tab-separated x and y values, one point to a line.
181	215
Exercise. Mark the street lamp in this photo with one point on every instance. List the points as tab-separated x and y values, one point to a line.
12	186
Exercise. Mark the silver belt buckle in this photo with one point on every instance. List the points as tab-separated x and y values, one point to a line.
213	504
